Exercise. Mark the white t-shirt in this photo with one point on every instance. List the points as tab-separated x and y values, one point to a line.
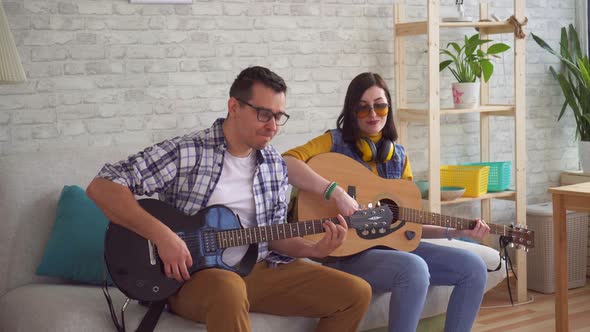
235	189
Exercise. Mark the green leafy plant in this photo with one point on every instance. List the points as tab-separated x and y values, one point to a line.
574	78
469	61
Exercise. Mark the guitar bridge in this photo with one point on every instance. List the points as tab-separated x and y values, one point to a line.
151	252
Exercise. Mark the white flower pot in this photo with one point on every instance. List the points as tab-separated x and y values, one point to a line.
584	149
466	95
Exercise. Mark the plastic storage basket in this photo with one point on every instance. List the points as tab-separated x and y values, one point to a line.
540	259
473	178
499	177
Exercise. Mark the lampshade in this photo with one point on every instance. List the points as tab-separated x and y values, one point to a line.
11	69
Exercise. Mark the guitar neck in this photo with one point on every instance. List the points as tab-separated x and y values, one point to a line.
245	236
429	218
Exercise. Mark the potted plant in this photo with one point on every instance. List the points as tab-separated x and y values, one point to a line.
468	63
574	80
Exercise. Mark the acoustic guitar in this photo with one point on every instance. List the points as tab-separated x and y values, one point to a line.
401	196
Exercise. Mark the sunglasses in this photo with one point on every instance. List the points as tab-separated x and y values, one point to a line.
363	111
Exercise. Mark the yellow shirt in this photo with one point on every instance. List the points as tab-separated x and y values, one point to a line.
323	144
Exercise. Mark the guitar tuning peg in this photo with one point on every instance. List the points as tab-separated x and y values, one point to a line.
370	205
378	203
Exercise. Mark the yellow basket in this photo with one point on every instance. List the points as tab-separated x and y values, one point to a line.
473	178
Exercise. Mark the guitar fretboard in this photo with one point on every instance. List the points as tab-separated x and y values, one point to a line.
429	218
245	236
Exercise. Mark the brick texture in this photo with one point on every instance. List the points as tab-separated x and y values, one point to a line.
105	72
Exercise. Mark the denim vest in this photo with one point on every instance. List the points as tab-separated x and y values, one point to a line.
390	170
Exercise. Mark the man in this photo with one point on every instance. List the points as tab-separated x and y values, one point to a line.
232	163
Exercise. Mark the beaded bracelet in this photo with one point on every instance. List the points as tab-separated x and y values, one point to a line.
329	189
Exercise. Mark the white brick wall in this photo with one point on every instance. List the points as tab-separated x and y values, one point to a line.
105	72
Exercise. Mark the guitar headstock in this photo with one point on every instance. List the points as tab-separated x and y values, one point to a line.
519	235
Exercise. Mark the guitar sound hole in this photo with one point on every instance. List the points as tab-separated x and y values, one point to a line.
392	206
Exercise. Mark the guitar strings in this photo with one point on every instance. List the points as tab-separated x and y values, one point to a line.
193	240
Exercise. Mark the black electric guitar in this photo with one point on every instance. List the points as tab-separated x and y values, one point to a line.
137	271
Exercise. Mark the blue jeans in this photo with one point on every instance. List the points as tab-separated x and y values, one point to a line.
408	275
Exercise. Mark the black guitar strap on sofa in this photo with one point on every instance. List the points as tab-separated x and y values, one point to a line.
149	321
504	241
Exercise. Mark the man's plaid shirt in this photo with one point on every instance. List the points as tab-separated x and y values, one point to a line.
185	170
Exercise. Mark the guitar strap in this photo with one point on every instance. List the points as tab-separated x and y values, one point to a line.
149	321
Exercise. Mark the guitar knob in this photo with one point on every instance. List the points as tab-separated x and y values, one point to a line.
381	230
365	232
366	225
373	231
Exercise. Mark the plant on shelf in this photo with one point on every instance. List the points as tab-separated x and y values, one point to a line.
574	80
468	63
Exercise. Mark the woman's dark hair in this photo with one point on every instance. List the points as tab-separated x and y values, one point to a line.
347	120
242	85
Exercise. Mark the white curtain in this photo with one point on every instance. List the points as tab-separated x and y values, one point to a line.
581	23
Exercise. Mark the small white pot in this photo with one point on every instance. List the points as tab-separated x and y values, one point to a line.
466	95
584	149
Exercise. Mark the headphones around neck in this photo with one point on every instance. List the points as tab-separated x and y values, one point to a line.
370	153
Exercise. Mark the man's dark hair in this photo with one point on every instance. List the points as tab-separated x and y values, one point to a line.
242	86
347	121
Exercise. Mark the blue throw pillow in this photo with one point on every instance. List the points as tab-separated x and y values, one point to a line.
76	247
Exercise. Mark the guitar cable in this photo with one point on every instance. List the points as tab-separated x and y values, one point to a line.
105	290
503	242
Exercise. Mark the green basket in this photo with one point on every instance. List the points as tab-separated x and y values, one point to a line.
499	176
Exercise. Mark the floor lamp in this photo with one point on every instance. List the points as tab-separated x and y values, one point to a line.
11	69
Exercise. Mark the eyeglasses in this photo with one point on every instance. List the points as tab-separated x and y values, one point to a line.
363	111
264	114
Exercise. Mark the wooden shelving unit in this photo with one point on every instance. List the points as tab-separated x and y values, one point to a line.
432	115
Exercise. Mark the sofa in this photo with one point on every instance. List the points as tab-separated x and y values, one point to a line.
30	185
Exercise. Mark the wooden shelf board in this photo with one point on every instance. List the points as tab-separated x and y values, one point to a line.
492	109
421	115
421	27
508	194
411	28
413	115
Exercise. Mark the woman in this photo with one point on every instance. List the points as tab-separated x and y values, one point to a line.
366	132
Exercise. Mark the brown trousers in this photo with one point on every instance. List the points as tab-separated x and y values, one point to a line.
222	299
